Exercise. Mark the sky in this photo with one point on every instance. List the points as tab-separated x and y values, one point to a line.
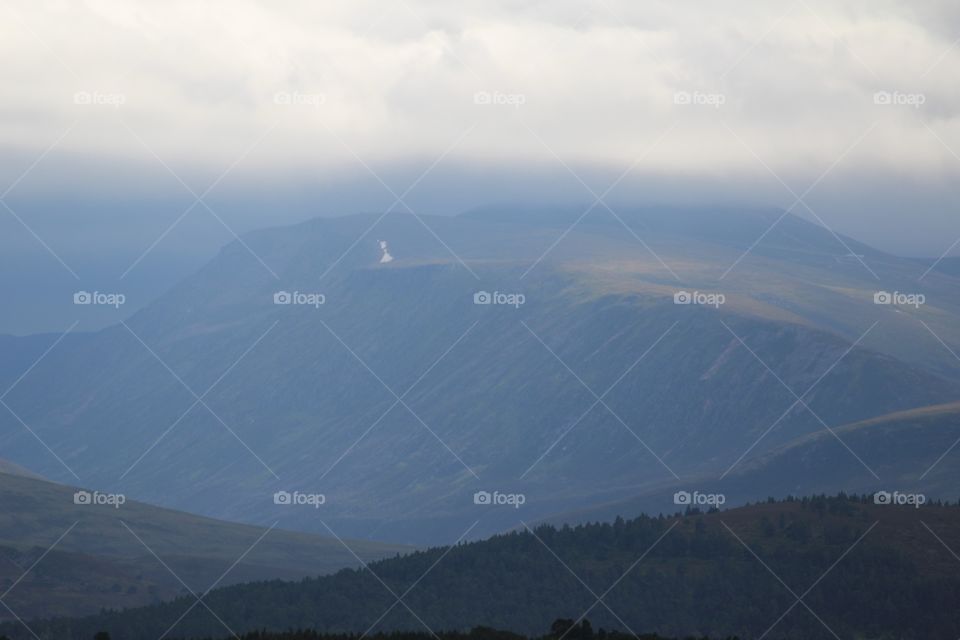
138	137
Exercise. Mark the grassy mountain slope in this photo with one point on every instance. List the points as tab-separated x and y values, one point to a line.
914	450
100	562
9	468
865	571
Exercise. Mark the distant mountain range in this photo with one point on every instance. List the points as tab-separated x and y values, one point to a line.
502	352
811	568
61	558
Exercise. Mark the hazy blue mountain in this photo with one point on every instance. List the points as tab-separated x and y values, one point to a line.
302	392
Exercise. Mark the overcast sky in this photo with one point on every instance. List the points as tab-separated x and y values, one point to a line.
291	109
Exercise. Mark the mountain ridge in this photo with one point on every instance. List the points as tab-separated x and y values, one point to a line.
815	463
304	397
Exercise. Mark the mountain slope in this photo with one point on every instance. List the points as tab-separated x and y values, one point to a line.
11	469
493	398
865	571
62	558
909	451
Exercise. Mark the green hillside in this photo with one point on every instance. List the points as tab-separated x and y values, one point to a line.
88	557
912	450
865	570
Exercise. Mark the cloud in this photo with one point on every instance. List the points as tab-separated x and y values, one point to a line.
393	80
737	93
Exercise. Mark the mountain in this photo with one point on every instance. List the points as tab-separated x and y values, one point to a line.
948	265
9	468
62	558
398	398
908	450
863	570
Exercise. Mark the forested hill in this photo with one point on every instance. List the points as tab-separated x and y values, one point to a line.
863	570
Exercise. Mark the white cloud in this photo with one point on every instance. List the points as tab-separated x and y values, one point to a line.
398	79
